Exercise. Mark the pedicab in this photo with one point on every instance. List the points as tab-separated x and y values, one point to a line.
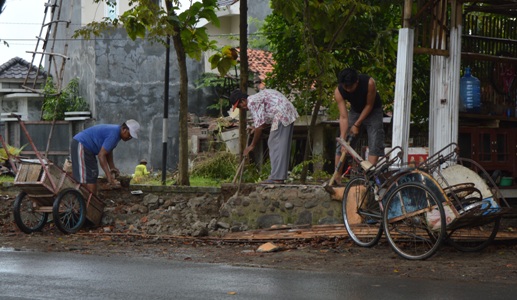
48	189
418	207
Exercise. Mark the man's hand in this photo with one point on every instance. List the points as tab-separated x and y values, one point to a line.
114	185
115	172
354	130
248	150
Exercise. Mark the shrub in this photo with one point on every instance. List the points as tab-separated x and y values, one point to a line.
56	104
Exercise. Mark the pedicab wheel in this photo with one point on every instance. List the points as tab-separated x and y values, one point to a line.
25	215
361	213
414	221
475	238
69	211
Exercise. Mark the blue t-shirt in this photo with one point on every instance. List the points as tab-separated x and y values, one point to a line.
98	136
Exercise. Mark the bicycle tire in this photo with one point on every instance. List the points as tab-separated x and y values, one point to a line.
361	213
414	221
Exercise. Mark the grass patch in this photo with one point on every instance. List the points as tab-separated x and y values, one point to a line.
6	178
208	182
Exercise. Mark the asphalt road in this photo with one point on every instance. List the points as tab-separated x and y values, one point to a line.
36	275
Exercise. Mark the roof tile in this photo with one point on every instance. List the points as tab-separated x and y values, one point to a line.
260	62
17	68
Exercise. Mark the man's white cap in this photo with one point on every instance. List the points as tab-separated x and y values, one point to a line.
134	127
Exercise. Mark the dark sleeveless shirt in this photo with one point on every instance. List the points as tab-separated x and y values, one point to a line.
357	99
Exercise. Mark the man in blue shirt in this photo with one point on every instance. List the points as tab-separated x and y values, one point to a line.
98	142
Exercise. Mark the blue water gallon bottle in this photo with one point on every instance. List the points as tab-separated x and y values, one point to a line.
470	93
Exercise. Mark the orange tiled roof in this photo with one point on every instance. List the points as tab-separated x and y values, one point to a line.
260	62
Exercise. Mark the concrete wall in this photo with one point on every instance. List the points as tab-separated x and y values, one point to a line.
123	79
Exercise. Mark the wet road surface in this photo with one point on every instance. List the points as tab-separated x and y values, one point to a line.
36	275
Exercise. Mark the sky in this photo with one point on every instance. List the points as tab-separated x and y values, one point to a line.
20	23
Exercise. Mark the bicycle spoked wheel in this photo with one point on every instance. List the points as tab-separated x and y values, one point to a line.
475	238
361	213
414	221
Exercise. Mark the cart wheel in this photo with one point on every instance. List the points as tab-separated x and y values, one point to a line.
69	211
414	221
25	215
361	213
475	238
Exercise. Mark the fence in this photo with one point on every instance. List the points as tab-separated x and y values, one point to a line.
51	139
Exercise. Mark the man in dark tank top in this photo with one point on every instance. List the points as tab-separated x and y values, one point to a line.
365	111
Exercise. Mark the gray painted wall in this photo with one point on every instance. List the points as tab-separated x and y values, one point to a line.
124	79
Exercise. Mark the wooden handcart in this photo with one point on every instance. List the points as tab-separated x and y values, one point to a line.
46	188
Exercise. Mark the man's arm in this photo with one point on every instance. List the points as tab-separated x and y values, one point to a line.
370	101
343	114
106	161
257	133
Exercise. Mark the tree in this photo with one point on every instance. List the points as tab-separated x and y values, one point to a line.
312	40
146	20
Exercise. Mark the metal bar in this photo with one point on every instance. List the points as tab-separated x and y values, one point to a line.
49	53
38	155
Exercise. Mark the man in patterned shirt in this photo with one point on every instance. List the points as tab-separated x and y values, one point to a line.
270	108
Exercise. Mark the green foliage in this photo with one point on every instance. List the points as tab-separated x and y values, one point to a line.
312	43
222	167
253	173
55	105
420	93
147	20
203	181
225	60
156	180
153	179
219	166
316	175
6	178
259	39
217	83
13	152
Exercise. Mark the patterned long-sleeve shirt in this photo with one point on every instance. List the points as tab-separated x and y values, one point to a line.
271	107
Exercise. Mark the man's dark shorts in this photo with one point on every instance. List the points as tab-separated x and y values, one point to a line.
84	163
374	129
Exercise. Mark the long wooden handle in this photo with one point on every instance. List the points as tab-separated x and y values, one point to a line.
338	167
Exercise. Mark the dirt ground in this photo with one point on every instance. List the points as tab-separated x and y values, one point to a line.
497	263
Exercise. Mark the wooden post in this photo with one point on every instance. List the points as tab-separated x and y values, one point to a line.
445	80
403	84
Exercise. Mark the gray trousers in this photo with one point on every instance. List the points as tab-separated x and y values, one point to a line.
279	144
